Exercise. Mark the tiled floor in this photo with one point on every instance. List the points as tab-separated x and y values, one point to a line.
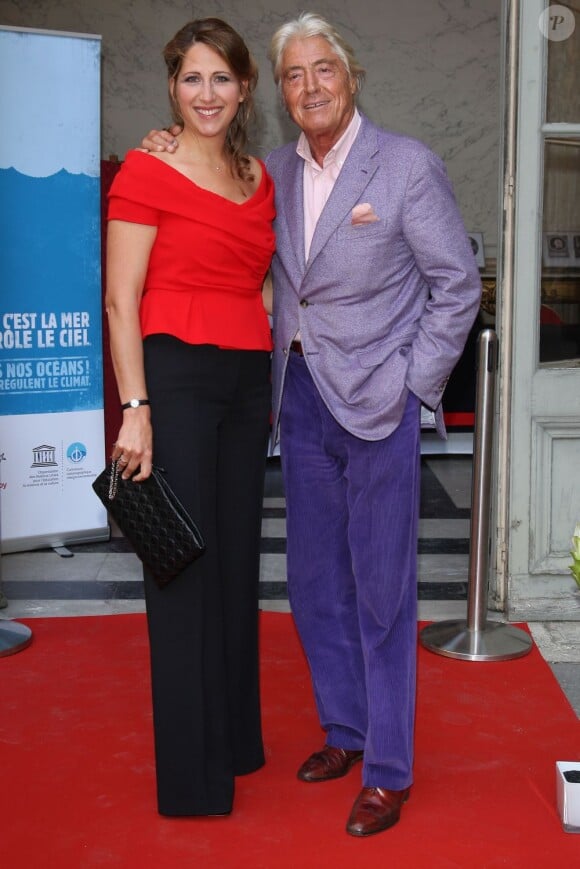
105	578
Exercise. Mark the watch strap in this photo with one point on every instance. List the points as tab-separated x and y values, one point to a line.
135	402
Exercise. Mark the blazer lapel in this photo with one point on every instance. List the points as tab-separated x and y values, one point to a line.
290	216
359	167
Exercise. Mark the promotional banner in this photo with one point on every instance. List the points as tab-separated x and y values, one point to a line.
51	389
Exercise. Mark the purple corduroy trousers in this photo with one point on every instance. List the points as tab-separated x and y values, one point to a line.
352	524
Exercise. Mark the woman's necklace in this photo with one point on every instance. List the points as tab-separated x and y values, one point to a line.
196	158
216	167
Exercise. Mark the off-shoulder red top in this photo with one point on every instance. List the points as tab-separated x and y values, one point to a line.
209	259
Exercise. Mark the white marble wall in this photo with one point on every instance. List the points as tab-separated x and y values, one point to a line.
432	72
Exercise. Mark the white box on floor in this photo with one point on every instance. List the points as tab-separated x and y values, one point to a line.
568	793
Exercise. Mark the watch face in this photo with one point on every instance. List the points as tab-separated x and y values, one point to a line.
134	402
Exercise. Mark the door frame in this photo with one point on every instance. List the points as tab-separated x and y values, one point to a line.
535	431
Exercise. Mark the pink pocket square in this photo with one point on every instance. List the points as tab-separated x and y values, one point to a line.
363	213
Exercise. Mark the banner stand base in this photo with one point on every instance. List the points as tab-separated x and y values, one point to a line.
63	551
14	637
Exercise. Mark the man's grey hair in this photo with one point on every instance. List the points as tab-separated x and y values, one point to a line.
310	24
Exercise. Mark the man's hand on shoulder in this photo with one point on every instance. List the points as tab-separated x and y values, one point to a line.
162	140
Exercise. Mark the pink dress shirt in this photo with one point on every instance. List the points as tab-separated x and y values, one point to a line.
319	180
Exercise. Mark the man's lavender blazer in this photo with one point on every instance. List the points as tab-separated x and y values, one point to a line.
384	307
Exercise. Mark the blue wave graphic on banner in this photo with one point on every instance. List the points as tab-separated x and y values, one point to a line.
50	300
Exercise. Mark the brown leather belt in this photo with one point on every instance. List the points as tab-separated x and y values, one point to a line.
296	347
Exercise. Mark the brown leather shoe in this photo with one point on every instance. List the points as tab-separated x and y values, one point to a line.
329	763
374	810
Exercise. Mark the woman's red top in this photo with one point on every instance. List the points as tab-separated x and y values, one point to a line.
209	259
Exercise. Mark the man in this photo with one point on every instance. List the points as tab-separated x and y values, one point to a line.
375	291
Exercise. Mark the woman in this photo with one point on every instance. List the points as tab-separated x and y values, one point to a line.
189	243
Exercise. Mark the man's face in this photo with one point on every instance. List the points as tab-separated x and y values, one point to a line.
317	89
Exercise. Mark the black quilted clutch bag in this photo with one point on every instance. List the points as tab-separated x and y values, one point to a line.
151	517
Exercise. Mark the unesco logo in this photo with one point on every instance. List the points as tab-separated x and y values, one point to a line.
76	453
44	456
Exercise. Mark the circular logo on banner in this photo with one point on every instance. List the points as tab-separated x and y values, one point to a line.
557	23
76	453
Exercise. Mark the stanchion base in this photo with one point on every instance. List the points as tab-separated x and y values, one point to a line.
13	637
496	642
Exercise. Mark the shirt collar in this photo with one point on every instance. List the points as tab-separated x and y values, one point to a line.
339	152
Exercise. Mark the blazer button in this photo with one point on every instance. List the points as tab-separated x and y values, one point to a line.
304	303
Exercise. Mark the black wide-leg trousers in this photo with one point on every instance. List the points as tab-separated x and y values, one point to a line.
210	416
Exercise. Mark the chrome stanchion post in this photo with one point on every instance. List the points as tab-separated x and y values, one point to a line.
481	481
475	639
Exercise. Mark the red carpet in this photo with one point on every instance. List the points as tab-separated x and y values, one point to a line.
77	786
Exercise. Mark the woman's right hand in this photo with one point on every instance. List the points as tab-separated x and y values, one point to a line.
133	448
162	140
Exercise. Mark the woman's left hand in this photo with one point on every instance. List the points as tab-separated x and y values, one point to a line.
133	449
